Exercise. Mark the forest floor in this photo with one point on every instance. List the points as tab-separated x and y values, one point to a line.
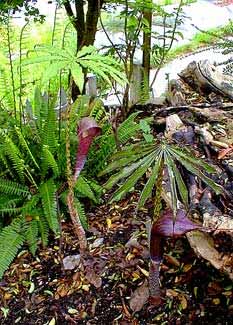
110	285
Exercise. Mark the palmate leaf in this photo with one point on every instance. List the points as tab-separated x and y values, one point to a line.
147	190
197	172
172	182
48	198
122	162
132	180
182	189
188	155
124	173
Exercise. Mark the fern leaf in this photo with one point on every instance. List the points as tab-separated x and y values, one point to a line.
49	161
81	212
11	240
9	187
31	235
48	197
84	188
43	229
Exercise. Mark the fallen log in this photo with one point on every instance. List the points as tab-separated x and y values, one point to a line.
206	78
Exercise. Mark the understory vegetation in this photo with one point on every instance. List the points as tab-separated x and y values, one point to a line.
63	152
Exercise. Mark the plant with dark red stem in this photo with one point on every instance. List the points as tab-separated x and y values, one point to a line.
87	130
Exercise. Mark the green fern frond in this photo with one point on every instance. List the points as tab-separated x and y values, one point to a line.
48	161
83	188
25	146
43	229
9	187
31	235
13	153
49	137
48	198
11	240
81	212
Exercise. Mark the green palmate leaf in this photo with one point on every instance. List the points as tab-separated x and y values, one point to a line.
132	180
182	189
133	150
187	155
147	190
194	170
78	76
122	162
125	172
168	162
48	198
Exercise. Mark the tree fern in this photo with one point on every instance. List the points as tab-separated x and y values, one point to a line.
11	240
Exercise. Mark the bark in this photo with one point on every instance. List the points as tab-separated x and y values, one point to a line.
85	26
147	15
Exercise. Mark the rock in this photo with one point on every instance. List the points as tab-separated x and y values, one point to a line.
71	262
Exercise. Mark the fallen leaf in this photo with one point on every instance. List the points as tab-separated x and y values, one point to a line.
139	297
93	277
71	262
52	322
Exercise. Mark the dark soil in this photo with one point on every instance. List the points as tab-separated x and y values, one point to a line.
38	290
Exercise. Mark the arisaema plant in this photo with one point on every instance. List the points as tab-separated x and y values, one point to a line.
159	159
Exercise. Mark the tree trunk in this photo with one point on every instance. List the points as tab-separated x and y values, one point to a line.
85	26
147	15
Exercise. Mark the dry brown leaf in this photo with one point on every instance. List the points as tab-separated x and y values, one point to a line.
93	277
203	245
139	297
